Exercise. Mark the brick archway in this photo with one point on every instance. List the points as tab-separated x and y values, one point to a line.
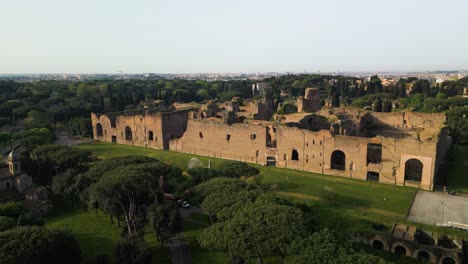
424	255
401	249
338	160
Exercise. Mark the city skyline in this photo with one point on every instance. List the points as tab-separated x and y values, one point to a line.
236	37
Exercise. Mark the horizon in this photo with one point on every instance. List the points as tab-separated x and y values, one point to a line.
252	73
109	37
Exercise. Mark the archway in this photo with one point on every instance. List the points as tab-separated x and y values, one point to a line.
294	155
338	160
423	256
448	260
400	251
377	244
413	170
99	130
150	135
128	133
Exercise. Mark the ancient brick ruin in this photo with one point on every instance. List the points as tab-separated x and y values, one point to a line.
399	148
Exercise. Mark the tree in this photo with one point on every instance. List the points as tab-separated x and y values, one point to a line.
236	169
457	122
132	186
5	139
38	245
318	247
11	209
202	174
217	193
64	184
36	119
6	223
133	250
165	220
125	187
260	229
441	96
30	139
52	160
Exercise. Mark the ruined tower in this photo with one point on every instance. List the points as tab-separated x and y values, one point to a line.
310	102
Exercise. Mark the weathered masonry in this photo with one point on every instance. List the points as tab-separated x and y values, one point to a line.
399	148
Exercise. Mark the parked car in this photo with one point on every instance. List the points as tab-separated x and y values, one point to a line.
185	204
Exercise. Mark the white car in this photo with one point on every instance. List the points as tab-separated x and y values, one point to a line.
185	204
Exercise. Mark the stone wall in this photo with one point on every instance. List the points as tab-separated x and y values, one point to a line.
264	142
310	102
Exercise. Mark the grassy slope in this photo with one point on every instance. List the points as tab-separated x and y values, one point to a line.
358	203
355	197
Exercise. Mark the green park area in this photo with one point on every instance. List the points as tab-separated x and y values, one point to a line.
345	204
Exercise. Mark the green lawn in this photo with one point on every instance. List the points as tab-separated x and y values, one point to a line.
457	179
358	204
192	228
95	234
356	200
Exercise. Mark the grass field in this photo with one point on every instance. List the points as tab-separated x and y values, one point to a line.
356	207
356	200
95	234
457	176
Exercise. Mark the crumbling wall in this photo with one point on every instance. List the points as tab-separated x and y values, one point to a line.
310	102
279	145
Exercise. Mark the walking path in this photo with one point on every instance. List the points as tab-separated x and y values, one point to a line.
64	139
180	252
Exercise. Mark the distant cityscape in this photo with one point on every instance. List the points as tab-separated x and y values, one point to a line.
431	76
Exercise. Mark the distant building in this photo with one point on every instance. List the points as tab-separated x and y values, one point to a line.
12	177
259	88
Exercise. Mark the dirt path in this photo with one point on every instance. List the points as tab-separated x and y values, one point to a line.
64	139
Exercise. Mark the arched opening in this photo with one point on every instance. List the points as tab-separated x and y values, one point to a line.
413	170
7	185
200	134
114	139
253	136
448	260
377	244
150	135
400	251
423	256
294	155
338	160
128	133
99	130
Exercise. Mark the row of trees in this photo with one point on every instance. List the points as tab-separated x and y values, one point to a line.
248	223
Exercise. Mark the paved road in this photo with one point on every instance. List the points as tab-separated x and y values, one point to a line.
436	208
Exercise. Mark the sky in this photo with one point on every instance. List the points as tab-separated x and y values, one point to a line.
193	36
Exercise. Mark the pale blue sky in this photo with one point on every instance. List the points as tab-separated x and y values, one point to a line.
89	36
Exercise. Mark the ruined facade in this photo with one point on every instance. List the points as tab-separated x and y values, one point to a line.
398	148
310	102
404	240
